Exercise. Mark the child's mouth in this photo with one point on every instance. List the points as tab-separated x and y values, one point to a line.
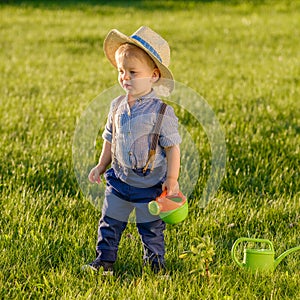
127	86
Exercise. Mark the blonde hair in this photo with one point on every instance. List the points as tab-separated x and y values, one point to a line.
131	51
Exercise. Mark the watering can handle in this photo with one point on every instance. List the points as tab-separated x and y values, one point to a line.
164	193
243	239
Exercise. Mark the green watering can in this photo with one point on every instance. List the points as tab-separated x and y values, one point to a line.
259	259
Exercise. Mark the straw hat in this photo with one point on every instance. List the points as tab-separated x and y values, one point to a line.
153	44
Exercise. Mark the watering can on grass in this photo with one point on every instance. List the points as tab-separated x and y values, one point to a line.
259	259
171	209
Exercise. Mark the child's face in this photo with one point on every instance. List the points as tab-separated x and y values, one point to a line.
136	76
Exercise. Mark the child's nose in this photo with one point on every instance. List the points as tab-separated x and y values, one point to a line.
126	76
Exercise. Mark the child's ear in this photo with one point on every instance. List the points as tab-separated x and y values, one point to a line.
155	75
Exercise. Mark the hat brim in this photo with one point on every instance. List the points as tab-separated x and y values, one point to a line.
115	39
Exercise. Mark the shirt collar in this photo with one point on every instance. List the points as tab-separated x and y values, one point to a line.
150	95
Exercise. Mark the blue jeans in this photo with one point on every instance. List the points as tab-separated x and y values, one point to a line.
120	200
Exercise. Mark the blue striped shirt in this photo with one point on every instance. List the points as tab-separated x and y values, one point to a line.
133	128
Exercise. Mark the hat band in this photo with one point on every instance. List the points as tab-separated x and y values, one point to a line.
147	46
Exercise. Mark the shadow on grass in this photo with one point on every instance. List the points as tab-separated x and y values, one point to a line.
144	5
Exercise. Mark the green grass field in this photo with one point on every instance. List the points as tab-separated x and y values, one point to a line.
243	57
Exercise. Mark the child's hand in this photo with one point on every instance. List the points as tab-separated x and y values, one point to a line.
95	174
172	186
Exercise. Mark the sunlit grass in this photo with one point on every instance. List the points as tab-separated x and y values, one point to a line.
242	57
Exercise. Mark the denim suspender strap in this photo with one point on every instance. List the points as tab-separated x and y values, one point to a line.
155	137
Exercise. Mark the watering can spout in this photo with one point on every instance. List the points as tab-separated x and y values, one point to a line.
283	255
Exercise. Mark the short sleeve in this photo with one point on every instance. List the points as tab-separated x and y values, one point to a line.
169	135
107	133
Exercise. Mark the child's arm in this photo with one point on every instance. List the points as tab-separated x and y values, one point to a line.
173	166
104	161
